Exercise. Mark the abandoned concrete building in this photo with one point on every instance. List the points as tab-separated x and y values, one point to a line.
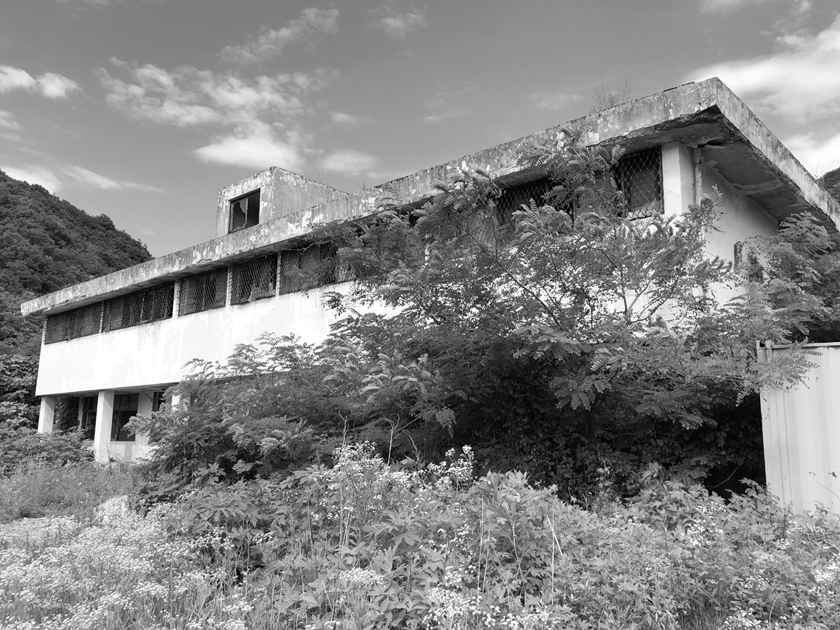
117	342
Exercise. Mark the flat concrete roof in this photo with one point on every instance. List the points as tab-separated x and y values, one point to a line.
705	114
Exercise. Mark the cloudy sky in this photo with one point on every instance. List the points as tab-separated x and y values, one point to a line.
143	109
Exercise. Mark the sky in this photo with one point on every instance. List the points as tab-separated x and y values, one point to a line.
144	109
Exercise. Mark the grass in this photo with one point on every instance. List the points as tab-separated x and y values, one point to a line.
72	490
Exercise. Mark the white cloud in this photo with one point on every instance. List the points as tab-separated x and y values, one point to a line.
399	24
270	44
86	178
34	175
7	121
187	96
454	112
56	86
348	120
258	121
818	153
348	162
49	84
801	80
256	148
552	100
58	177
723	7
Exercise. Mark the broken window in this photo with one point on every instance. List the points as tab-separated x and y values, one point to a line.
245	211
639	178
79	322
125	408
138	308
203	292
254	279
313	266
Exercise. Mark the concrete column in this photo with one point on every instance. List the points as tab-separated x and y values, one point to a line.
102	434
144	408
46	415
677	178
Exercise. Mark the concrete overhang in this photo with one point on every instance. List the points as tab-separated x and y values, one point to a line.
705	115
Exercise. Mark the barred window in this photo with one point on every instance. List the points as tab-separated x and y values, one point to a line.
79	322
314	266
254	279
245	211
639	178
140	307
125	408
514	197
203	292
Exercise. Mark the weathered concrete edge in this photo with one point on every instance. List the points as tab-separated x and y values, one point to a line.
624	121
773	153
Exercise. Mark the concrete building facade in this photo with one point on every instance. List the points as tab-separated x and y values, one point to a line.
117	342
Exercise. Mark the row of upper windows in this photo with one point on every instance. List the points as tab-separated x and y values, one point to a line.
248	281
637	176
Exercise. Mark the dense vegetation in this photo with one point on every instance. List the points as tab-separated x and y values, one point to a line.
584	356
362	545
559	338
831	182
46	243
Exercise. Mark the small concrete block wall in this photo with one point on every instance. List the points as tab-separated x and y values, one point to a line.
282	194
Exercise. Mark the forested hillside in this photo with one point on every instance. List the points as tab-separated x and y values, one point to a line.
831	182
47	243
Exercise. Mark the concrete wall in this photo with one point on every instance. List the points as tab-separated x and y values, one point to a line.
740	217
801	429
282	194
155	353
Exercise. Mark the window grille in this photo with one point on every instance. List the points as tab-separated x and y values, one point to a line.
514	197
639	178
203	292
314	266
138	308
254	279
245	211
125	407
79	322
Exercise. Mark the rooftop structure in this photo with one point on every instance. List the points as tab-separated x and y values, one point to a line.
117	341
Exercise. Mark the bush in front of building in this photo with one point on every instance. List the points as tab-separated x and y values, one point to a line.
361	544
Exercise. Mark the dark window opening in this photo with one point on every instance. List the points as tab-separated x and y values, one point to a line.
139	308
245	211
254	279
125	408
79	322
314	266
639	178
87	417
204	292
514	197
158	400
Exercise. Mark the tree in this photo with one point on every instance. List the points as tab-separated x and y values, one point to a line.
569	337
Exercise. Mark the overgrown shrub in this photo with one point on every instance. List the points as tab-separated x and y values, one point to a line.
74	489
22	448
365	545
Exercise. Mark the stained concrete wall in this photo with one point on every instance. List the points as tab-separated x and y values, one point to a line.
283	194
154	354
740	217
